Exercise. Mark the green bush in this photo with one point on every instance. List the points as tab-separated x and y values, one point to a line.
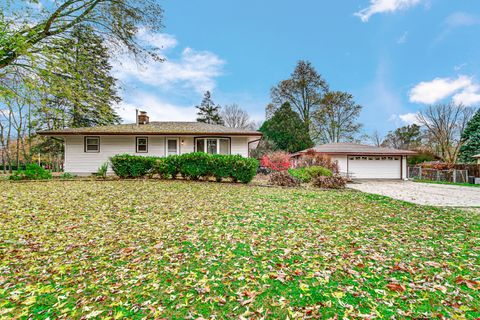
300	174
32	172
128	166
308	173
67	175
190	165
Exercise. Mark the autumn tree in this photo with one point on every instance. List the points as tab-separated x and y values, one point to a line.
286	130
407	137
471	140
208	112
25	31
336	118
304	91
444	124
235	117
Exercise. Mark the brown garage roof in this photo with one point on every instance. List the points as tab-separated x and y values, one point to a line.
356	149
155	128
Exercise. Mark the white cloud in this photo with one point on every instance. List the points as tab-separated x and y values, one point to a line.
403	38
460	19
409	118
429	92
157	109
383	6
468	97
192	69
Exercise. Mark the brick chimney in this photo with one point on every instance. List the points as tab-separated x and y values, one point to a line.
142	118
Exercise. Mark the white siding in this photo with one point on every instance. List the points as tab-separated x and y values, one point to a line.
342	163
78	161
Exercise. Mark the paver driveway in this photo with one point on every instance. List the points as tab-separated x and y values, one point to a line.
422	193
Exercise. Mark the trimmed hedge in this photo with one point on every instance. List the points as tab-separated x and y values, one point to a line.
192	166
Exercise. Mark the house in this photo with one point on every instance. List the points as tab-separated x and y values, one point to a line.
359	161
477	156
88	148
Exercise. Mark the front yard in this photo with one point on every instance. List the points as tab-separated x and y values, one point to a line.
169	249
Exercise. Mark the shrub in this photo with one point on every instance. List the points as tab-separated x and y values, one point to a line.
300	174
128	166
283	179
276	161
317	171
312	158
102	171
190	165
333	182
306	174
67	175
32	172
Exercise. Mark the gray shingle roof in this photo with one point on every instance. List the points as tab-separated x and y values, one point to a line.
357	149
155	128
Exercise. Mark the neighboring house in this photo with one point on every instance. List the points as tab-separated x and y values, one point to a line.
365	162
477	156
88	148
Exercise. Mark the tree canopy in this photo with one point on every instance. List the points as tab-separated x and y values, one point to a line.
208	112
304	90
286	130
407	137
336	118
471	139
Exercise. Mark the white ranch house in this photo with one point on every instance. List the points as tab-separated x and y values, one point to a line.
86	149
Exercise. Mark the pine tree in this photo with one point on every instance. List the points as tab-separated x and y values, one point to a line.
471	140
80	89
208	112
286	130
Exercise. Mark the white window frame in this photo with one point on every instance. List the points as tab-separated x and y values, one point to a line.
85	146
218	144
136	144
177	140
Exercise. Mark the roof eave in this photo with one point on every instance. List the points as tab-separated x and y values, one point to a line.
100	133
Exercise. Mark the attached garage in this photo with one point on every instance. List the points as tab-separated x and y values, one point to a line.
373	167
358	161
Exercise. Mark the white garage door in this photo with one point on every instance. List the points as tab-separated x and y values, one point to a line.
374	167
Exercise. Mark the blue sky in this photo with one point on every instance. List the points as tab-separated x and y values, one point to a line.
394	56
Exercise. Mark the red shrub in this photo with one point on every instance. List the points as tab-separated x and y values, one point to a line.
312	158
437	165
276	161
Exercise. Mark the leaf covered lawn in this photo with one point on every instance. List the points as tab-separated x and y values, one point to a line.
167	249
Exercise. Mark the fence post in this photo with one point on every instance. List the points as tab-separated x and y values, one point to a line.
420	172
454	175
438	175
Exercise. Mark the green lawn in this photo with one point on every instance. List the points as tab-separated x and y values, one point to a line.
449	183
167	249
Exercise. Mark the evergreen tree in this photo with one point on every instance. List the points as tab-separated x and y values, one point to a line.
80	91
208	112
286	130
471	140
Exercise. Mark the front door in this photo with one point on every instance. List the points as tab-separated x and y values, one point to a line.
172	147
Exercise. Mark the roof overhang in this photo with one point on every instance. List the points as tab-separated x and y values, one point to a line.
353	153
95	133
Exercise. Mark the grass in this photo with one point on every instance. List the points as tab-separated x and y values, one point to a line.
448	183
175	250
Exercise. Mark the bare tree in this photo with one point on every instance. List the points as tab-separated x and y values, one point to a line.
444	124
235	117
376	139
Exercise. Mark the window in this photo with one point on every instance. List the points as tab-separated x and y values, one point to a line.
213	145
92	144
172	147
142	145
